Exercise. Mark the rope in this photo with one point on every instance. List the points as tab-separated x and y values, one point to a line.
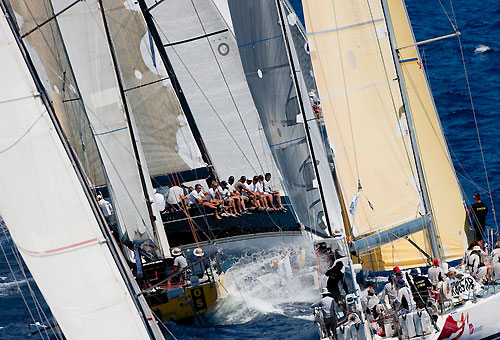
455	27
227	86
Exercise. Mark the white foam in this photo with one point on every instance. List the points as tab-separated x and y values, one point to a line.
255	288
481	49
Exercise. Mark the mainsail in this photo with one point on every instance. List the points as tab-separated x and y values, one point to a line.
56	226
84	32
267	68
205	58
365	115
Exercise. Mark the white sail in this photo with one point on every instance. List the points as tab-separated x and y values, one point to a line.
205	58
50	218
84	36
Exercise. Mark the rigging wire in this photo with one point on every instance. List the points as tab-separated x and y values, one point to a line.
19	288
474	115
206	98
227	86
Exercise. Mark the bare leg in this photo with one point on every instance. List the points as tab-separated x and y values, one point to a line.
269	199
214	207
278	200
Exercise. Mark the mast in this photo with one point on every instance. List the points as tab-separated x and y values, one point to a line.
433	239
302	111
118	259
177	86
133	138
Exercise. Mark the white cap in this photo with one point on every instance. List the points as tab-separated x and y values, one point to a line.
198	252
324	291
451	269
477	248
99	197
176	251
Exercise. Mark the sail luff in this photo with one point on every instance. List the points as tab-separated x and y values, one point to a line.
430	227
204	55
177	86
444	192
155	223
61	239
84	36
331	207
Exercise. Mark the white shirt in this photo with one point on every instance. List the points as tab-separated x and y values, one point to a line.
106	207
474	262
174	195
211	194
195	195
159	201
224	192
268	187
390	292
230	187
494	255
180	262
249	187
258	187
327	304
406	293
433	274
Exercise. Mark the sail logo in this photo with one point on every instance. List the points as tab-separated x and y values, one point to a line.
454	329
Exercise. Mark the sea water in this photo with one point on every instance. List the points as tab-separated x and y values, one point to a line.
274	312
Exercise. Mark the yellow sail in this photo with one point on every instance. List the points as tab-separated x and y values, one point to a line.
365	119
442	185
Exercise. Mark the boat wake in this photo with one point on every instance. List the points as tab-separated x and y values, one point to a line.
279	282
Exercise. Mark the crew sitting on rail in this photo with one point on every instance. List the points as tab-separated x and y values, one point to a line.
258	191
268	189
227	198
239	200
196	197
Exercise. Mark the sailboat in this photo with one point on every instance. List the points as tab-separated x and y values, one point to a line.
101	97
391	160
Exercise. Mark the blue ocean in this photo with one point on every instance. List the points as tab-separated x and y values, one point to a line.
252	313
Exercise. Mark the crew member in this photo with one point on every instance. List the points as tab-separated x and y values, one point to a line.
335	276
435	273
327	304
479	212
420	288
405	303
180	263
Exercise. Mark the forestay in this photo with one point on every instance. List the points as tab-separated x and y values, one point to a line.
82	28
46	49
267	69
50	218
205	59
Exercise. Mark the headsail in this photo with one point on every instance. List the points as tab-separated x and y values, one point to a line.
267	68
366	121
205	58
85	37
60	237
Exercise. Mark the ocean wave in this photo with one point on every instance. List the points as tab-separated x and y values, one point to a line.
481	49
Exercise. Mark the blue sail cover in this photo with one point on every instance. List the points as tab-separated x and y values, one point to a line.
266	65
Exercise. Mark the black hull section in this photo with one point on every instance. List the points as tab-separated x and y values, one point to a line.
209	228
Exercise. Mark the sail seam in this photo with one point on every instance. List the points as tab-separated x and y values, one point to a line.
145	84
110	131
60	249
346	27
258	41
196	38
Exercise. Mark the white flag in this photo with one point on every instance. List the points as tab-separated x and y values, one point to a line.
354	204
